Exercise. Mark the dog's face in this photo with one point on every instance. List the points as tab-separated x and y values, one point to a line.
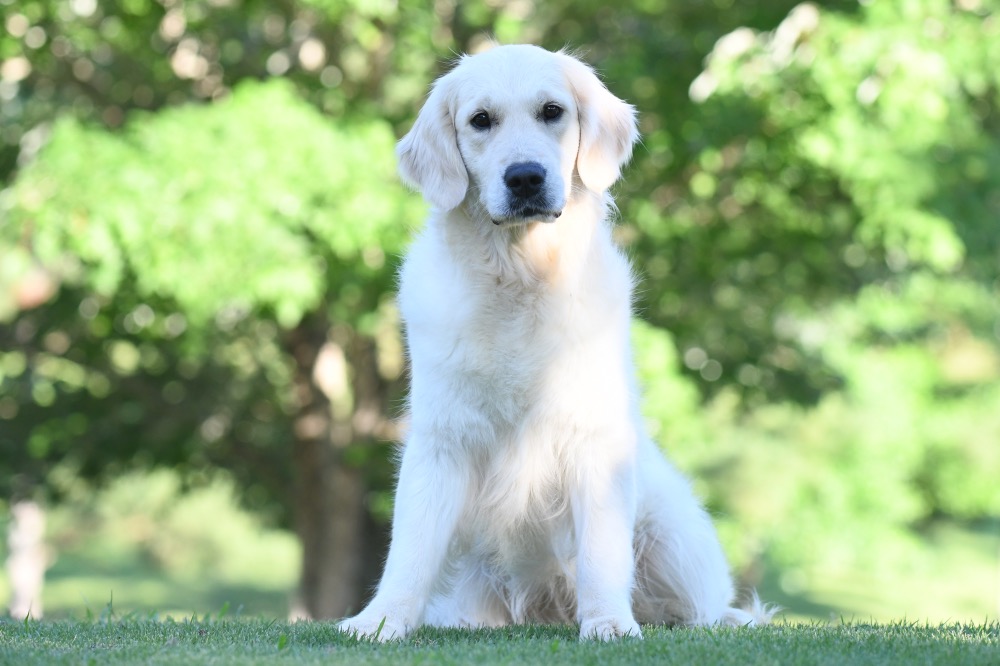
517	134
510	131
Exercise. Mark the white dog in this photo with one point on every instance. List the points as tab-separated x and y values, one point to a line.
528	491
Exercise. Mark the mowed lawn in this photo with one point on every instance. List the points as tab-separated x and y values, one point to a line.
257	641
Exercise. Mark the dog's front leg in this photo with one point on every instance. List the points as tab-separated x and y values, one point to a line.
604	507
429	500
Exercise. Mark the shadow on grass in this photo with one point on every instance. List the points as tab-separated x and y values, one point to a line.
78	587
798	605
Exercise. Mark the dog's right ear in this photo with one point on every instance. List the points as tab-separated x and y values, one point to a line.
607	127
429	159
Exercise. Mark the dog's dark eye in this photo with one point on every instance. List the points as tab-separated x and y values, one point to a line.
552	112
481	120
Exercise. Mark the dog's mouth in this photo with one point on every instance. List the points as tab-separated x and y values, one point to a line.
527	215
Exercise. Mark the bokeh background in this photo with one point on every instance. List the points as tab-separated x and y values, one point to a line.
200	358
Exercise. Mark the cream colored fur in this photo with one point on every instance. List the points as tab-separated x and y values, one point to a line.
528	490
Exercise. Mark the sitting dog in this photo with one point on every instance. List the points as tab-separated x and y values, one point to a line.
528	490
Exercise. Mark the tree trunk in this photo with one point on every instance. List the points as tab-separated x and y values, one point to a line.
339	539
27	559
330	523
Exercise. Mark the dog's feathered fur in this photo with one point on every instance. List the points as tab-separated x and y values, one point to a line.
528	490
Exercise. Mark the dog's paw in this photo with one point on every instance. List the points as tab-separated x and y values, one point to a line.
368	626
609	628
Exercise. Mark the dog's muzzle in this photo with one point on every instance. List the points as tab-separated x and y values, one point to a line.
527	197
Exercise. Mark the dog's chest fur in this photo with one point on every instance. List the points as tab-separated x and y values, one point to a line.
510	353
496	321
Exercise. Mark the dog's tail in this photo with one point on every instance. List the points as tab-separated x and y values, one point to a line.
755	613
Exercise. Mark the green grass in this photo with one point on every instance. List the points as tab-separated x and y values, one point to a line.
82	583
132	640
957	566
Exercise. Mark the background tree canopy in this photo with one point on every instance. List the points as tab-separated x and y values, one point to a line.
200	225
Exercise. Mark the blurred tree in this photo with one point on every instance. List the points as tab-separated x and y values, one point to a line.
836	238
814	216
223	272
119	354
836	154
146	352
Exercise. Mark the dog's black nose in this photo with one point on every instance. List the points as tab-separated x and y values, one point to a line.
524	179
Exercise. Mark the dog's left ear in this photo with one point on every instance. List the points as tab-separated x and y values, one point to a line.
429	159
607	127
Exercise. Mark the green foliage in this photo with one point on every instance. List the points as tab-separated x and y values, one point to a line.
834	243
813	209
297	203
897	107
185	246
837	152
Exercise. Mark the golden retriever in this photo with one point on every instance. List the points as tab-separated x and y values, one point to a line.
528	490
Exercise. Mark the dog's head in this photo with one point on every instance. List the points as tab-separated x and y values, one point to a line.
510	129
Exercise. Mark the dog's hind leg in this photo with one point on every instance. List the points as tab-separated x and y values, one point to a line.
682	576
471	598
